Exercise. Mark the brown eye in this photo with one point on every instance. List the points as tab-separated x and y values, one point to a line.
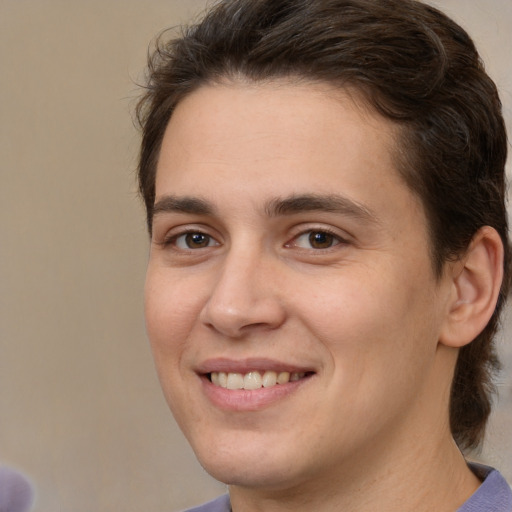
193	240
321	240
317	239
197	240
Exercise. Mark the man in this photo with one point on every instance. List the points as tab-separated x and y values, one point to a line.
324	184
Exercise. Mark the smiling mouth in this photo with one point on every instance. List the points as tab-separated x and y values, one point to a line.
254	379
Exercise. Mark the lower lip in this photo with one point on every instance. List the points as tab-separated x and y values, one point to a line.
249	400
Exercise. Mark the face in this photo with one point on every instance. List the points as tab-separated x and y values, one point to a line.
291	304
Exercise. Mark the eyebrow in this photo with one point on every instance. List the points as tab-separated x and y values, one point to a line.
185	204
333	203
276	207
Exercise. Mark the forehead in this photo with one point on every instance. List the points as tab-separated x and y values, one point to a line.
268	135
249	124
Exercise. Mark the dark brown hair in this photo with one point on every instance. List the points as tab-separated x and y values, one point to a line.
414	66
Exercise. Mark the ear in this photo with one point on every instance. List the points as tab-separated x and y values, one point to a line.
476	281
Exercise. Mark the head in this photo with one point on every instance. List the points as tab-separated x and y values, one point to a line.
408	63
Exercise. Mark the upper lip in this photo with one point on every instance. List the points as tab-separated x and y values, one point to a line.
247	365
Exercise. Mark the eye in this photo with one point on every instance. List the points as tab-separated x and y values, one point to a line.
317	239
194	240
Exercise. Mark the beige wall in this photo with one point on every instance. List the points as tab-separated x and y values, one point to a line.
80	408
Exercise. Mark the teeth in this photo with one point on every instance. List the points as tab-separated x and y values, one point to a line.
254	380
269	379
235	381
283	377
220	379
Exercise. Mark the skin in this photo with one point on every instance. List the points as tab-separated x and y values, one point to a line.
235	280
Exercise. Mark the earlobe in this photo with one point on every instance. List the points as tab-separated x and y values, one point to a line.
476	284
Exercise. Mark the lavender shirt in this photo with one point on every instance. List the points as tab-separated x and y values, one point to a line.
494	495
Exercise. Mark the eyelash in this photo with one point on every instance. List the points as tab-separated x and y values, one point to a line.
173	240
333	240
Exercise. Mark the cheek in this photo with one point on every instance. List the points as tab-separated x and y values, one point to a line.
370	322
381	351
169	315
169	312
355	307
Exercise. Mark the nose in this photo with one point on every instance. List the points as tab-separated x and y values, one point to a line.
244	297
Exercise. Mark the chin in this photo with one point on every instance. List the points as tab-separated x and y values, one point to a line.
255	469
243	475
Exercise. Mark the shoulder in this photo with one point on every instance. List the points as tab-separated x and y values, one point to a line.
220	504
493	495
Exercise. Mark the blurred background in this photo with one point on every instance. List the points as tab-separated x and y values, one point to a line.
81	412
